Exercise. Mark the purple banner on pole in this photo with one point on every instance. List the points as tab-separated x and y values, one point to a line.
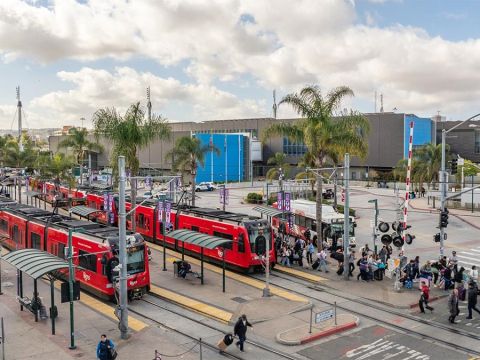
279	201
168	209
290	221
110	202
226	196
287	201
105	202
112	218
160	211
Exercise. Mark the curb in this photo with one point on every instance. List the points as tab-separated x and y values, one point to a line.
433	298
459	217
319	335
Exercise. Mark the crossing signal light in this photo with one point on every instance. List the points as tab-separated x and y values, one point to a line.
454	166
386	239
436	237
383	227
444	218
397	240
409	239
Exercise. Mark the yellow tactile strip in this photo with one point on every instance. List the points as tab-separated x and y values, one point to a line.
192	304
232	275
300	274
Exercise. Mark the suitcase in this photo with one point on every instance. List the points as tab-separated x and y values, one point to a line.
408	284
316	264
224	343
462	293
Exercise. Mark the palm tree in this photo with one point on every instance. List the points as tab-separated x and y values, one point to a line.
77	140
323	130
188	153
129	133
4	142
430	156
20	158
57	166
279	160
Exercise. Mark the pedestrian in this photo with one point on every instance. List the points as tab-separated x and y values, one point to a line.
240	330
285	256
473	274
424	298
423	191
453	305
105	348
416	267
454	261
383	254
322	257
472	299
351	263
310	251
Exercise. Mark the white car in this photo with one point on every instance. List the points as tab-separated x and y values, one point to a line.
202	187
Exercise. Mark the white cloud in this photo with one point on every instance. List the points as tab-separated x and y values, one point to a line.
280	46
94	89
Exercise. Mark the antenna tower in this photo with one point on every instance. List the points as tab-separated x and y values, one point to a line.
19	111
274	107
149	104
381	103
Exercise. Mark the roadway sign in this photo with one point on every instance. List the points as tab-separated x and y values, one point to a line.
324	315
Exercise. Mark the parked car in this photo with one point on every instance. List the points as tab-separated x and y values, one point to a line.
328	194
203	187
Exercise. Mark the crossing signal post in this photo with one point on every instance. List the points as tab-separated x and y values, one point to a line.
454	166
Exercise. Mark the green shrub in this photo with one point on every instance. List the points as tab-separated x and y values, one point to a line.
254	198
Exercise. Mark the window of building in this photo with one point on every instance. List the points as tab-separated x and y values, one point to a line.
36	241
87	261
224	236
293	148
354	175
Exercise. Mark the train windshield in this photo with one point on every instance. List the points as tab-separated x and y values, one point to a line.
338	228
136	259
258	234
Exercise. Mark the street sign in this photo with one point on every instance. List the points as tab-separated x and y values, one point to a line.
324	315
287	201
461	162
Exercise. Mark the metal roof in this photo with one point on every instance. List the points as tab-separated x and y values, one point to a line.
35	263
32	193
269	211
199	239
83	210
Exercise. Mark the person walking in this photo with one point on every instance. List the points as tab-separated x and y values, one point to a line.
472	299
424	298
351	263
322	258
240	330
453	305
104	348
310	251
473	274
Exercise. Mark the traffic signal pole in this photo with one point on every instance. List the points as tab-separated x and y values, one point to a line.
443	191
122	232
346	217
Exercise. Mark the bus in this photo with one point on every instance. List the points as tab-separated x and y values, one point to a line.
304	214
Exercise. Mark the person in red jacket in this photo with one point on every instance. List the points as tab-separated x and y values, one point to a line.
424	298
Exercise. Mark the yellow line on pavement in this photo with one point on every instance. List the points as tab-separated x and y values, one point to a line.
300	274
107	310
192	304
232	275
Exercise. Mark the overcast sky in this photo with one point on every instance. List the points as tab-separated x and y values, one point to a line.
221	59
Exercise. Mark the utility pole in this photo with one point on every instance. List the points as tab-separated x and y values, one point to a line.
346	217
89	169
163	210
122	232
71	281
19	111
266	289
374	233
149	112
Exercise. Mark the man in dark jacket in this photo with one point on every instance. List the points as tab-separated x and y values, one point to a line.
240	330
104	348
472	299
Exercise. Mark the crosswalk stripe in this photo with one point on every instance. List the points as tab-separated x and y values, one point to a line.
467	257
475	250
468	263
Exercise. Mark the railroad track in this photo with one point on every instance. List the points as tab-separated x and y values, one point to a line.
278	354
378	317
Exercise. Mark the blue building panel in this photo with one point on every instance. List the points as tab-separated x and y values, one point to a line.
422	132
228	163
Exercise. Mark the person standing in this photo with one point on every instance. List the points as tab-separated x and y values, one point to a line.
104	348
310	251
472	299
473	274
240	330
424	298
454	261
351	263
453	305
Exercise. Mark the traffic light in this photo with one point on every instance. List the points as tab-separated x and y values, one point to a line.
386	239
409	238
383	227
444	218
454	166
397	240
436	237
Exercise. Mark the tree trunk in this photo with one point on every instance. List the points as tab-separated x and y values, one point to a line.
193	187
133	202
319	199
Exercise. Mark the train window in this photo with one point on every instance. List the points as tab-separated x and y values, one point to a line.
141	220
87	261
195	228
61	251
36	241
297	219
308	223
314	225
241	243
16	234
302	221
228	245
4	226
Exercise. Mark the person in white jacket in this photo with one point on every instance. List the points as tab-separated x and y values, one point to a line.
473	274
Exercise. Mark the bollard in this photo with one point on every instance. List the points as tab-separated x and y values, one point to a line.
201	355
335	312
311	319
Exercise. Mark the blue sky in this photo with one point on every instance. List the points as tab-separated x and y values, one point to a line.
222	59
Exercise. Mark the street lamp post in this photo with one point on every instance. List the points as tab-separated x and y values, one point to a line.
374	234
122	242
162	200
443	178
